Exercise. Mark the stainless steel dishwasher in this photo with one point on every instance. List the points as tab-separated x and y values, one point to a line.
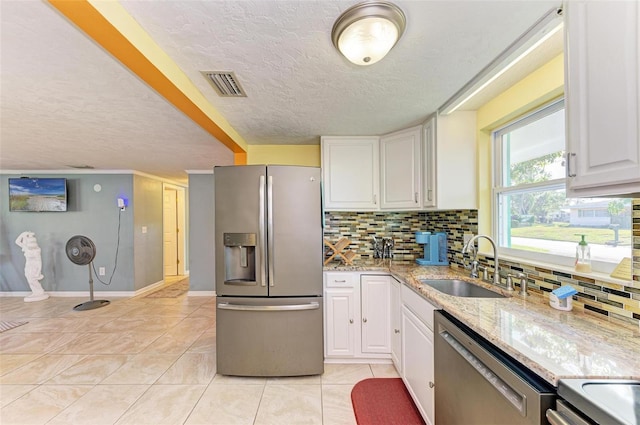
478	384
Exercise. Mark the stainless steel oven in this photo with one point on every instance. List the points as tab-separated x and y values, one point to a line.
596	402
478	384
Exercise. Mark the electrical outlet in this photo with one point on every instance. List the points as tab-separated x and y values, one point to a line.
144	229
467	237
102	271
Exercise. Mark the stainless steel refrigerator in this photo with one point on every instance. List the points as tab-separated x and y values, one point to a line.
268	258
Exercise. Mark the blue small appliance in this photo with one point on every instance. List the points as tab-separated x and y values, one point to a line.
435	248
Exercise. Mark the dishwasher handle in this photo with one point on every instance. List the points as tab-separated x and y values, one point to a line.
285	307
555	418
518	400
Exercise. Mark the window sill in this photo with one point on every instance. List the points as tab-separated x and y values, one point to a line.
604	277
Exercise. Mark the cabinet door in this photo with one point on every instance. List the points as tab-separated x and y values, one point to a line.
429	163
456	158
417	363
339	322
602	97
376	315
396	325
400	169
350	167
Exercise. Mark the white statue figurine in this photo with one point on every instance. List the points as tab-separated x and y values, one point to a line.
33	265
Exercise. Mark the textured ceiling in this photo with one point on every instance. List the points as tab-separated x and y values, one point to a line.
64	101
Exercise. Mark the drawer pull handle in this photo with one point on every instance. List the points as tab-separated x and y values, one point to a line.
340	281
569	156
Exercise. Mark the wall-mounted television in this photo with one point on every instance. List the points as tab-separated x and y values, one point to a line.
37	194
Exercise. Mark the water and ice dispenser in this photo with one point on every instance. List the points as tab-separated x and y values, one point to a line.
435	248
240	258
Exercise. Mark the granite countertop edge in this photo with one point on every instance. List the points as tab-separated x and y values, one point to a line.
553	344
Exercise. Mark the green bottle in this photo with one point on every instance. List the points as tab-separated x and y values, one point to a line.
583	256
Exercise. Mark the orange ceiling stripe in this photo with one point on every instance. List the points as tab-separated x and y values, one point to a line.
89	20
240	158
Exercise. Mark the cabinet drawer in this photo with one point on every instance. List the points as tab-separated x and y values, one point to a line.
422	308
340	280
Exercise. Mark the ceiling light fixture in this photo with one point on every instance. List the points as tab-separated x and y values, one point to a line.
366	32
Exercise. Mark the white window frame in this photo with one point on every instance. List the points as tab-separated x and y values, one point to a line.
498	189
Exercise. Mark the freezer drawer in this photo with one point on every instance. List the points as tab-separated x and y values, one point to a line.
269	336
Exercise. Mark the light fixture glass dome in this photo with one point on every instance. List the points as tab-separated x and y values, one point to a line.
366	32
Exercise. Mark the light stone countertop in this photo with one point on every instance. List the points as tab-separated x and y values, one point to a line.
554	344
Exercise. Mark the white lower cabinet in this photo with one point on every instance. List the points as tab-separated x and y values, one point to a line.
339	322
375	295
396	325
357	317
417	352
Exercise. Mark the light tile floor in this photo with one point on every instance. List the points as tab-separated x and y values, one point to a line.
149	361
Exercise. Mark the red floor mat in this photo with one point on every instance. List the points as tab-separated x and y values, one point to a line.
384	401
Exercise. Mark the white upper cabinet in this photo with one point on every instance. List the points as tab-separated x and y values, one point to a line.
350	167
449	161
400	169
602	84
429	163
432	166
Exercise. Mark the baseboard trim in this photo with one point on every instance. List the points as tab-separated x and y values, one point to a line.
102	294
149	288
15	294
201	294
358	361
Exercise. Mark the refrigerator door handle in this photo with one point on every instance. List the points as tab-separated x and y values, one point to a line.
262	243
270	233
293	307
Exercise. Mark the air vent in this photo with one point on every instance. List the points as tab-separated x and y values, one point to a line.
82	167
225	83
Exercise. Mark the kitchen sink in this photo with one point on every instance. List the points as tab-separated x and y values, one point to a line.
460	288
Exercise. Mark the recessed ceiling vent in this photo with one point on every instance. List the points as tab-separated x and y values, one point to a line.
82	167
226	84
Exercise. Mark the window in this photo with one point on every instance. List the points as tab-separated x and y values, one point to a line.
534	219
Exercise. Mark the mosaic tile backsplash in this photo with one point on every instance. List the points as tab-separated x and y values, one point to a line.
616	301
360	227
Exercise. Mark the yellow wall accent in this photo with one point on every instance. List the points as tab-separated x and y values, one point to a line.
108	23
308	155
541	86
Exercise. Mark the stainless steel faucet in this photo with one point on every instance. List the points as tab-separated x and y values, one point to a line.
469	245
377	248
524	283
387	244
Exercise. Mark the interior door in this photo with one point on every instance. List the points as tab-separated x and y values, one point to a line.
170	232
295	231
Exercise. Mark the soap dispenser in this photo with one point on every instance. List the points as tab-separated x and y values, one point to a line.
583	256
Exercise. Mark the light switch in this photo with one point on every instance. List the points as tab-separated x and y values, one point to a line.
144	229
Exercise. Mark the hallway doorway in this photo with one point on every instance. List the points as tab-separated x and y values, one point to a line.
173	230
